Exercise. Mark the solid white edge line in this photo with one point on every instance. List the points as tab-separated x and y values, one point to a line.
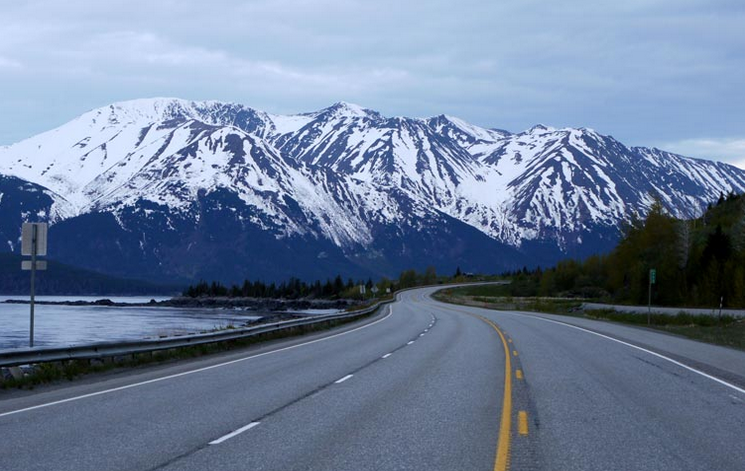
234	433
186	373
339	381
410	343
675	362
387	355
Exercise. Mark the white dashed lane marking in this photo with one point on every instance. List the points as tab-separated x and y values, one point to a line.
339	381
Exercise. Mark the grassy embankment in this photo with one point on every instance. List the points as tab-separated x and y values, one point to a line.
727	331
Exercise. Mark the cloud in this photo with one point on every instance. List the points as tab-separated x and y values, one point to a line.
644	71
143	56
8	63
730	150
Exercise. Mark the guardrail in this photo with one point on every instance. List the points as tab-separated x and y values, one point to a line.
104	350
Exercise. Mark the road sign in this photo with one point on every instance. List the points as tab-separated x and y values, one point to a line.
27	238
374	289
28	265
34	243
652	276
362	289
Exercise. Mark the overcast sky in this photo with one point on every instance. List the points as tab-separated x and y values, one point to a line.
666	73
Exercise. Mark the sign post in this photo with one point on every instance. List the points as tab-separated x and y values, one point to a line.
34	243
652	280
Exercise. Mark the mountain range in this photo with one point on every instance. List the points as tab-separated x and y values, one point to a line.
171	190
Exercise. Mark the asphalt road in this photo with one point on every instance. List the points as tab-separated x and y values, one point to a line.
425	386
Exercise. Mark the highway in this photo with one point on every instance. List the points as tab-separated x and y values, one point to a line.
423	385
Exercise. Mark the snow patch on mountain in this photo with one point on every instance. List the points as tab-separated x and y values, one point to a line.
338	173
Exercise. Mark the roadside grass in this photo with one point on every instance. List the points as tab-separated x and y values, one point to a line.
726	330
732	335
502	290
681	319
497	297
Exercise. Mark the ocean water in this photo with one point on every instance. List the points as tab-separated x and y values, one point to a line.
60	326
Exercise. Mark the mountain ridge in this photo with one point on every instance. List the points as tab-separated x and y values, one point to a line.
346	178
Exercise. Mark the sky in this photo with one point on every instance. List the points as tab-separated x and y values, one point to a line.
663	73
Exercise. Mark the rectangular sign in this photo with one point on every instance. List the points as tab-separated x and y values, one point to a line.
40	265
27	236
653	276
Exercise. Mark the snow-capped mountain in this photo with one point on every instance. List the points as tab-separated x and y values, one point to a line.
179	189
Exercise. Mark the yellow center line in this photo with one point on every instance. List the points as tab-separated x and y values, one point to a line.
502	460
519	374
503	445
522	422
514	352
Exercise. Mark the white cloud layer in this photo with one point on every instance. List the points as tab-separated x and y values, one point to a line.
644	71
728	150
6	63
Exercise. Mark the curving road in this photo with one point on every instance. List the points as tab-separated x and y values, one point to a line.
423	385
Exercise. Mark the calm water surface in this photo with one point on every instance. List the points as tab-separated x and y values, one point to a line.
75	325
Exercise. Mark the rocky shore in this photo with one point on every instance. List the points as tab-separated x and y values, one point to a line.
252	304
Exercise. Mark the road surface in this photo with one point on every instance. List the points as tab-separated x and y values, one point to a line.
423	385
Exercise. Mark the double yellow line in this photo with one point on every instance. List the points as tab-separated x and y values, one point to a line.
502	460
503	445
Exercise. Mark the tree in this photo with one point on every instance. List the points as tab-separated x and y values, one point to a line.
407	279
683	245
338	285
385	284
547	285
430	276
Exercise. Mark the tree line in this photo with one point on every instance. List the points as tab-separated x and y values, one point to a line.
698	262
335	288
294	288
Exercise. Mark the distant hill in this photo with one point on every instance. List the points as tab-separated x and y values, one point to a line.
60	279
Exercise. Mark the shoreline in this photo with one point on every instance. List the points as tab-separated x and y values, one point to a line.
274	305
